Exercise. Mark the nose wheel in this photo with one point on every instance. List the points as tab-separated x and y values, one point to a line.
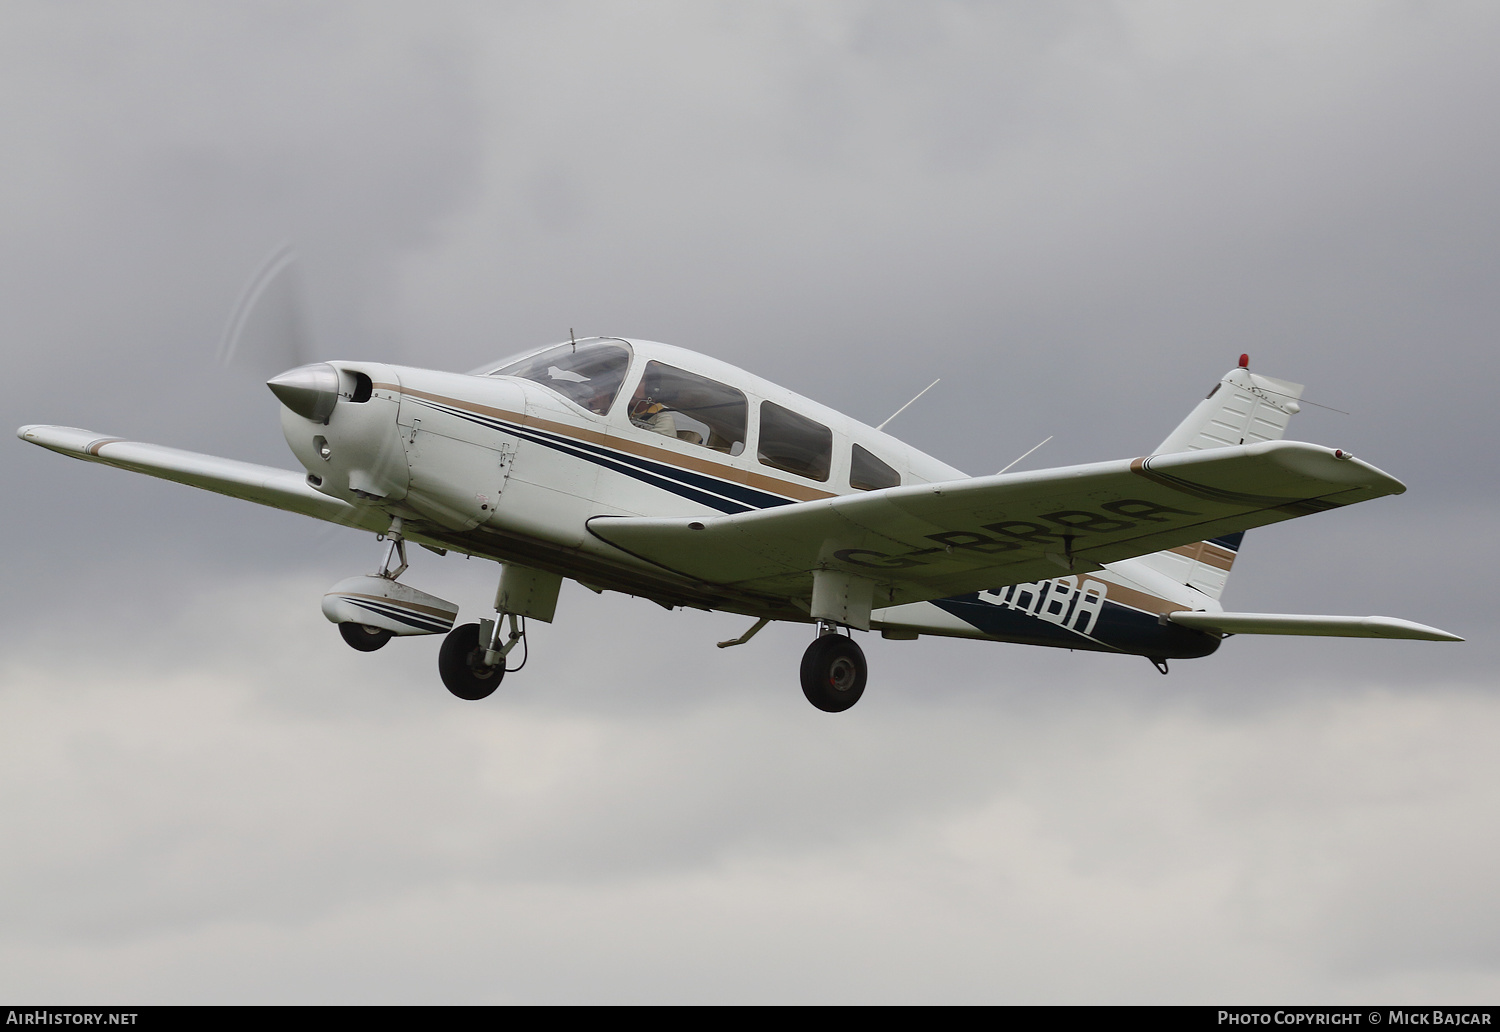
833	673
363	638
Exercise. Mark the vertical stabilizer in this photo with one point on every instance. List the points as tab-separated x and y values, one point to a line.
1243	408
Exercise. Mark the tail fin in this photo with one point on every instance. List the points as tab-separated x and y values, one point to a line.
1243	408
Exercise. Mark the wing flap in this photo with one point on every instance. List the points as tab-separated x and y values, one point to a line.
265	485
1330	626
936	540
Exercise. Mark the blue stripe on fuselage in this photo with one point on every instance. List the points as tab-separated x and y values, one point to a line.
723	495
1117	629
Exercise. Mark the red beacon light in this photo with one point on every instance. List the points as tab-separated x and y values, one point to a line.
1244	361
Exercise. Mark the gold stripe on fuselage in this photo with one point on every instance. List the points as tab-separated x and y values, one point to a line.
1145	602
694	463
1207	553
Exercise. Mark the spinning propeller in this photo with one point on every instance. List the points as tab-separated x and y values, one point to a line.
267	337
267	332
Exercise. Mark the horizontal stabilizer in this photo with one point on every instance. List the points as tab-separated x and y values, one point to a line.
1329	626
266	485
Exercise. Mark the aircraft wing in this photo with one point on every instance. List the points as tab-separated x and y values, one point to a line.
929	541
266	485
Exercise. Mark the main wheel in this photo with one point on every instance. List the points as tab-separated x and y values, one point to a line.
833	673
462	666
365	639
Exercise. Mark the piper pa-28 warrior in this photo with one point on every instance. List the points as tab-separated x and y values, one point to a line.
646	469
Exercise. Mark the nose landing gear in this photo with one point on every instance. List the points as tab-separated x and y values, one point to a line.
373	608
833	670
364	637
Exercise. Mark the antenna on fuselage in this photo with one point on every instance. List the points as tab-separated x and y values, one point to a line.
909	404
573	339
1033	448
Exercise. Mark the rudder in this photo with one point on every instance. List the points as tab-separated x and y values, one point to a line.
1242	408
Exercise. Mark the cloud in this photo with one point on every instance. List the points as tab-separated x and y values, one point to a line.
296	822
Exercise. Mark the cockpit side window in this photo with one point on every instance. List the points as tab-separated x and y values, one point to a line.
793	442
687	407
867	473
587	373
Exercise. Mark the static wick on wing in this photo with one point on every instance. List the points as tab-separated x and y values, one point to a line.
909	404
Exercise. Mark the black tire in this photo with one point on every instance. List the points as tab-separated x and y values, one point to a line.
462	666
833	673
365	639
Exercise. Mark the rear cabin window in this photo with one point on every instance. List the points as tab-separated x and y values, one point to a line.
687	407
867	473
793	442
588	373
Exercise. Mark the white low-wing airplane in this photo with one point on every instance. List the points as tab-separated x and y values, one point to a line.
637	467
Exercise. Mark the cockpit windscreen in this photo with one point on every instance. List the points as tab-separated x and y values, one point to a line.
588	373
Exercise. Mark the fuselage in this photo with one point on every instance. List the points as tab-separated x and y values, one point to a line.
512	461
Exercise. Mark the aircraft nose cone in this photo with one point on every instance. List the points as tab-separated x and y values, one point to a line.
311	391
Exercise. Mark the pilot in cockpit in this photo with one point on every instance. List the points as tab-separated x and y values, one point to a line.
648	413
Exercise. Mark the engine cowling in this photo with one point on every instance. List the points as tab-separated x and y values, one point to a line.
340	420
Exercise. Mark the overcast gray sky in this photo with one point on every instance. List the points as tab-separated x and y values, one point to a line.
1077	214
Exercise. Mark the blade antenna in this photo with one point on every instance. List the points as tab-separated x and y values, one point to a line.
1028	452
909	404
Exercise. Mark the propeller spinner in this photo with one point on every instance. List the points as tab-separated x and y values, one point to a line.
311	391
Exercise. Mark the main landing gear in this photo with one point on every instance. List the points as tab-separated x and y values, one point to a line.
472	659
833	670
833	667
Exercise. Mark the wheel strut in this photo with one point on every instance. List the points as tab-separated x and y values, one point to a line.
489	637
397	550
